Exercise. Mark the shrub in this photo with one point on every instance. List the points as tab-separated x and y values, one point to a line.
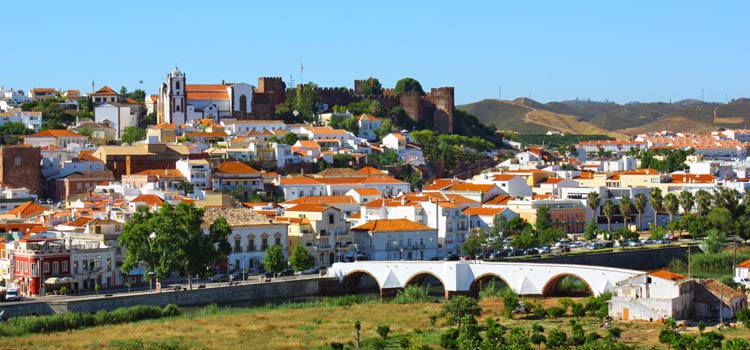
166	344
491	290
556	311
346	300
414	294
171	310
448	340
337	346
127	344
210	309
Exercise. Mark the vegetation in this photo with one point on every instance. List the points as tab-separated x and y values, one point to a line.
301	104
273	260
172	239
408	85
133	134
413	294
11	131
299	259
555	141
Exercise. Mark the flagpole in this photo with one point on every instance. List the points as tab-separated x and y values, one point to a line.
301	69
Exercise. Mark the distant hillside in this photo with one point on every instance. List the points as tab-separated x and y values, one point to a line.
527	116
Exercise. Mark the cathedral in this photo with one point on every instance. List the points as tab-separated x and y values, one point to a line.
180	102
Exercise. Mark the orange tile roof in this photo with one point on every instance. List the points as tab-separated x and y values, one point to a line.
201	95
439	184
160	173
553	180
130	101
693	178
367	191
745	263
235	167
165	126
148	199
300	180
667	275
459	198
648	171
81	221
357	215
367	117
370	171
503	177
323	200
106	90
38	90
586	175
27	209
471	187
482	211
500	199
325	130
391	225
206	134
317	208
308	144
54	133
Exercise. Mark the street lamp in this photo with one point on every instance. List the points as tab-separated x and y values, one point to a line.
41	280
242	249
151	237
356	251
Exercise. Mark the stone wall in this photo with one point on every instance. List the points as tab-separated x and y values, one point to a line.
20	166
256	292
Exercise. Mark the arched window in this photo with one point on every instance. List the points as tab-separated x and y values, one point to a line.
277	238
237	244
264	242
251	243
243	103
177	85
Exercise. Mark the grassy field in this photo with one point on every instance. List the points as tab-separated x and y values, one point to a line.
302	326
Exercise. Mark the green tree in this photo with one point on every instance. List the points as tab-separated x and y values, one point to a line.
300	259
525	239
671	205
714	242
385	128
608	210
543	218
686	201
626	207
408	85
549	236
371	87
743	315
133	134
556	338
459	307
736	344
143	246
494	337
592	201
589	230
510	301
656	202
468	334
472	246
640	205
273	260
186	187
702	201
383	331
85	131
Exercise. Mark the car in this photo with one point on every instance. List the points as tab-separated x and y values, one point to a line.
12	294
235	276
221	277
595	246
312	271
452	257
634	244
49	201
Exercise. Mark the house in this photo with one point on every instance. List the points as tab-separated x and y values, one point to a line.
195	171
162	133
105	94
346	204
395	141
367	125
712	297
234	175
245	127
118	115
252	234
568	215
39	94
364	195
101	134
27	212
125	160
38	259
158	179
92	263
485	217
396	239
79	183
652	296
321	229
476	192
151	101
59	138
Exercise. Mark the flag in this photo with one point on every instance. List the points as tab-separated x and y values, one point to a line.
301	67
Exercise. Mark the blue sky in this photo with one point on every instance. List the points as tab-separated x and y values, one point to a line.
550	50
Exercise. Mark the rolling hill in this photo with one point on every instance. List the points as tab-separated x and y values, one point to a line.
527	116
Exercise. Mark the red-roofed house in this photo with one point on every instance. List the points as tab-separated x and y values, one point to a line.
325	235
150	200
485	217
395	141
367	126
364	194
59	138
477	192
396	239
235	175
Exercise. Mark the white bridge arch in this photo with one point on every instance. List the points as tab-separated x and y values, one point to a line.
461	277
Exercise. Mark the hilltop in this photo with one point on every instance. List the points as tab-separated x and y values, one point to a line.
527	116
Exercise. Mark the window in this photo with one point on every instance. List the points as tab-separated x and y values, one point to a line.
330	218
251	243
277	239
237	244
64	266
109	264
177	85
264	242
55	268
75	266
19	160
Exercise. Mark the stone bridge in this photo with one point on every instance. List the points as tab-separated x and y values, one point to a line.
468	277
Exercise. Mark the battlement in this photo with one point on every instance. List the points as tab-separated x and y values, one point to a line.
448	90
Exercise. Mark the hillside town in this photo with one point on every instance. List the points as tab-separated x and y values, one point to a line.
343	185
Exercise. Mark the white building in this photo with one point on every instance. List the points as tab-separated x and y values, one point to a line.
195	171
652	296
243	127
116	115
179	102
396	239
367	125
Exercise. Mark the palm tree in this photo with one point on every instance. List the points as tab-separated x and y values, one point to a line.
656	202
593	202
702	201
686	201
626	207
671	204
639	205
608	210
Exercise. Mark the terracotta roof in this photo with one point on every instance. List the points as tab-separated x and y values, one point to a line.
165	126
721	290
553	180
201	95
370	171
55	133
81	221
482	211
325	130
459	198
308	144
501	199
38	90
300	180
301	221
74	92
106	90
27	209
148	199
367	117
585	175
235	167
50	148
667	275
648	171
693	178
160	173
317	208
503	177
439	184
235	216
323	200
471	187
357	215
130	101
745	263
367	191
391	225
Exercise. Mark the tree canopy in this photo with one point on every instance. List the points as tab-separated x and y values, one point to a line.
371	87
133	134
408	85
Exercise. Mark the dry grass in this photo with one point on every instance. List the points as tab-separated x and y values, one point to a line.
569	124
673	123
305	328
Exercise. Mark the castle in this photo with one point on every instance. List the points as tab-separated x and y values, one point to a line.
179	102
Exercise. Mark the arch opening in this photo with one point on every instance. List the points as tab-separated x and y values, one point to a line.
567	285
243	103
359	282
490	283
435	286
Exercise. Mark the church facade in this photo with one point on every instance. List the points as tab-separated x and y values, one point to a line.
180	102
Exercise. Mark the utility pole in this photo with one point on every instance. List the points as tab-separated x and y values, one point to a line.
688	248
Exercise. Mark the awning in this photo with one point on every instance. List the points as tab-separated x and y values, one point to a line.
59	280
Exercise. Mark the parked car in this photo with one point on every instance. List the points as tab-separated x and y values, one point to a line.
12	294
312	271
595	246
221	277
634	244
